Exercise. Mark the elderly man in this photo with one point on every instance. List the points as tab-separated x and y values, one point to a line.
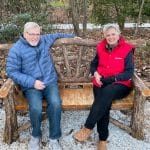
30	65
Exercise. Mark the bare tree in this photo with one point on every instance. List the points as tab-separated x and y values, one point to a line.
75	15
79	15
139	17
84	17
1	9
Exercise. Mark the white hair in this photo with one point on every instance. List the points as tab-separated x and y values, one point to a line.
110	26
30	25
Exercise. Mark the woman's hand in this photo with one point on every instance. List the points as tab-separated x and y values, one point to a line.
98	78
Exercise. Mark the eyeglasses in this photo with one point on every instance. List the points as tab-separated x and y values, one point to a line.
34	34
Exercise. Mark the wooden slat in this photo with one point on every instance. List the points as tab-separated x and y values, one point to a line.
124	103
76	95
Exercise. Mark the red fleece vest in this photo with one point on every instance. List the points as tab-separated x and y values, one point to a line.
113	63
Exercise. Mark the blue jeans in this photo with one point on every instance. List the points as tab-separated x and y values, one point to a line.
35	97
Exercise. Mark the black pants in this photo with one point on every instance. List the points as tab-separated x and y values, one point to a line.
100	110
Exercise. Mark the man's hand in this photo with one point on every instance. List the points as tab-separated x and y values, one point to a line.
39	85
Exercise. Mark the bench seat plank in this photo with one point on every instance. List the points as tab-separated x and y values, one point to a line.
75	96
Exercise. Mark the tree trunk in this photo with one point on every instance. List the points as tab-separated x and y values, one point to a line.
75	16
142	95
11	126
139	18
84	17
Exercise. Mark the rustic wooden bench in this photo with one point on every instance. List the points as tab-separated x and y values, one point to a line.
76	93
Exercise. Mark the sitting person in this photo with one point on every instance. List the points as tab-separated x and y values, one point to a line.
30	65
112	70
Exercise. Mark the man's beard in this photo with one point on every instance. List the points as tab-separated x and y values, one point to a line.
33	43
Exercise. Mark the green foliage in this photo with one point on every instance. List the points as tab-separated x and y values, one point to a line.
146	11
17	6
41	18
17	13
107	11
20	19
117	11
57	3
13	27
8	32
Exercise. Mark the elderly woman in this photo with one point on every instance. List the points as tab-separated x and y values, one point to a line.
112	70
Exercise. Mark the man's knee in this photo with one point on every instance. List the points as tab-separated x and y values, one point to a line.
55	101
36	110
56	104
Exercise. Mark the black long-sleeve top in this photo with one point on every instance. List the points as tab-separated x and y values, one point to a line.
126	75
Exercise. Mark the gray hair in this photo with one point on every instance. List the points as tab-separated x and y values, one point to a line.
109	26
30	25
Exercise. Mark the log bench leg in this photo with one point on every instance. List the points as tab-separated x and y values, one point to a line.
11	126
137	121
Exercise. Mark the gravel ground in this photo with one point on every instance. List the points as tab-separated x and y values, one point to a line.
72	121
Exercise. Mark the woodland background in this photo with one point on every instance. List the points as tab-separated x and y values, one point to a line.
14	14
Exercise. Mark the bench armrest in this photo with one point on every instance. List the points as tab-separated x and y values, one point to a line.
4	90
145	91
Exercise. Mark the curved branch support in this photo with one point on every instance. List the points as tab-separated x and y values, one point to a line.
75	41
66	61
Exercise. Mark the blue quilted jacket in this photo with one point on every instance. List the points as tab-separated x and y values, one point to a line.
26	63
